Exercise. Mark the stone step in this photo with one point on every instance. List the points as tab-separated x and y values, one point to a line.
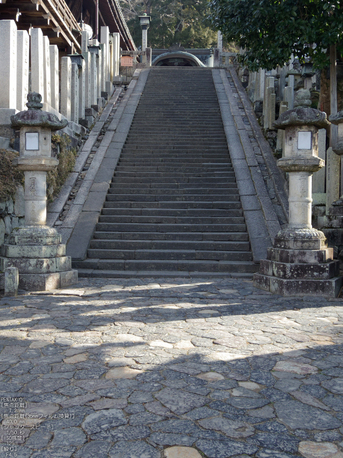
170	205
173	236
89	273
118	244
147	129
160	181
182	198
176	191
163	255
174	175
169	265
210	168
146	227
172	212
156	153
196	221
157	187
195	162
173	206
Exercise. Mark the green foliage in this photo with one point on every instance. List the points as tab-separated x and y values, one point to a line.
176	22
66	156
270	31
10	176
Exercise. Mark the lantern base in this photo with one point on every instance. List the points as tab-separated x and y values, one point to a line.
300	239
40	257
300	272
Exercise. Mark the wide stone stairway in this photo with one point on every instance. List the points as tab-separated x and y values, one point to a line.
173	205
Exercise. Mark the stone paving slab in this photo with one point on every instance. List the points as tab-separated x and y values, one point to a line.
170	368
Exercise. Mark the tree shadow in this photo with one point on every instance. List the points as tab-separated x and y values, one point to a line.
128	374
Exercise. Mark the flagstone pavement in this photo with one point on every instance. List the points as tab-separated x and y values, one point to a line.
170	368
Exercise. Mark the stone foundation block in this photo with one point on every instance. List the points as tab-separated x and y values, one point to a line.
11	281
261	281
47	282
19	251
25	236
303	271
37	265
301	256
68	278
288	287
305	287
266	267
91	112
298	244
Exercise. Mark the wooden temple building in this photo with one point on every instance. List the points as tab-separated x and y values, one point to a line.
61	20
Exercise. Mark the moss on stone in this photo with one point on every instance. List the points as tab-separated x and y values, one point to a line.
66	155
10	176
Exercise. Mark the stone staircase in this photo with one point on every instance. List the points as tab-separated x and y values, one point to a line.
173	206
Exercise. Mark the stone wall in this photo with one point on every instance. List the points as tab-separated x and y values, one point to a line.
11	214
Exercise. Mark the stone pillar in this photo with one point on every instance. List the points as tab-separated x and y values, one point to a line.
337	150
105	40
54	72
84	41
318	184
36	249
144	39
334	226
46	74
8	70
333	166
257	86
300	262
93	75
74	106
116	54
251	86
87	75
216	58
99	69
269	104
288	97
66	87
82	90
220	41
280	142
262	78
23	49
37	61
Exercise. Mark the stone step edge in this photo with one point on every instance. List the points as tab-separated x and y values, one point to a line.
157	273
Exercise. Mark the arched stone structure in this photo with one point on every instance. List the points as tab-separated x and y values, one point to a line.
177	59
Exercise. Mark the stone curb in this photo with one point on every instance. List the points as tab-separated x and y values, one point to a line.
78	229
267	153
260	216
56	207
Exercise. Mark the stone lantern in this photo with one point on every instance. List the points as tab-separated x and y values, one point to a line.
36	249
145	24
300	262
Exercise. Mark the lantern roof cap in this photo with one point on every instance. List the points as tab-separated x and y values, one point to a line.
34	116
302	117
